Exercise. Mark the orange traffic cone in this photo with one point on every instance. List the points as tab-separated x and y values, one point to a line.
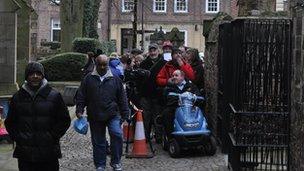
128	132
139	146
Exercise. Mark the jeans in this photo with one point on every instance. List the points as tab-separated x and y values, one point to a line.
98	136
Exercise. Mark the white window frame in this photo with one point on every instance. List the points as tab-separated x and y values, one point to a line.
54	28
159	11
207	5
123	6
280	5
180	11
57	1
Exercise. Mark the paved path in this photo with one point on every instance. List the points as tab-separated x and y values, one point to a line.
77	155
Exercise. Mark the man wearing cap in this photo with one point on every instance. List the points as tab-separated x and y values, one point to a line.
37	119
165	75
150	94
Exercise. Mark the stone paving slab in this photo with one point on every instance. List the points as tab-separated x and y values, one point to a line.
7	162
77	155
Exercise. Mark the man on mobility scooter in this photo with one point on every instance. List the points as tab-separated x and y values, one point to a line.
184	124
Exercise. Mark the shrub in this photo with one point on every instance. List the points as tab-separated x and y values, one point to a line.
84	45
53	45
64	67
108	47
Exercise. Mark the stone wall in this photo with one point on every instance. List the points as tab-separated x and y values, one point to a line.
8	30
211	72
297	91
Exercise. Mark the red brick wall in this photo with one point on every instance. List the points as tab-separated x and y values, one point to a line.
234	8
46	12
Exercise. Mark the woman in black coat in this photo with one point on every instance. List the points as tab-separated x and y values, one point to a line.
36	120
192	57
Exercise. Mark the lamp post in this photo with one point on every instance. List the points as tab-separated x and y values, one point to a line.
134	42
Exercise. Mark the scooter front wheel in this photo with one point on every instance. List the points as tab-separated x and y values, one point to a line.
210	147
165	142
174	149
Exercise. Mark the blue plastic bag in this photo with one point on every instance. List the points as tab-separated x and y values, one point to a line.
81	125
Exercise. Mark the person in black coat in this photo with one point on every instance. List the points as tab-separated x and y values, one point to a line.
37	119
90	64
105	100
151	94
176	84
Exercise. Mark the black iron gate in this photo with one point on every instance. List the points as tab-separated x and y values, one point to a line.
254	76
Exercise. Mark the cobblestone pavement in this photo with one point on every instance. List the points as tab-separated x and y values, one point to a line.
77	155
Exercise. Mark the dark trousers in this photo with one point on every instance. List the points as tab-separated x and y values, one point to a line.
151	109
168	115
52	165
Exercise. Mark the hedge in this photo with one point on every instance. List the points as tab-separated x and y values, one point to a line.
53	45
84	45
64	67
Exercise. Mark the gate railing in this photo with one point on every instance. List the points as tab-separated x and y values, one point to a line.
254	76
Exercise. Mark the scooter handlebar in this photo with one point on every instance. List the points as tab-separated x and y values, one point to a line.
184	95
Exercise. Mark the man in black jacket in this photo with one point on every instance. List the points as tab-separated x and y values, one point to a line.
37	119
151	95
106	104
176	84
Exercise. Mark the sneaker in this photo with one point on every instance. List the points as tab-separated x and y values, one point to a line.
100	169
116	167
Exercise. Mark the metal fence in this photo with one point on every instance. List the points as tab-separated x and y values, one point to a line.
254	78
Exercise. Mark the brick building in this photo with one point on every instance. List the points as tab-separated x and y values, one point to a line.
47	25
187	15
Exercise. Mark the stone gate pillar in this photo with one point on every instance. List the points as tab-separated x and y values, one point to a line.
297	88
8	46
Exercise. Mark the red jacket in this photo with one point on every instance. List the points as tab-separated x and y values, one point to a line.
166	72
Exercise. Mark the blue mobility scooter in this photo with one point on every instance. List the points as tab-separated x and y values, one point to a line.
190	128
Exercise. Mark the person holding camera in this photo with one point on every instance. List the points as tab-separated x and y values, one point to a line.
176	84
151	95
176	63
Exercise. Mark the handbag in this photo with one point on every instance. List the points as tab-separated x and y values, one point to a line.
81	125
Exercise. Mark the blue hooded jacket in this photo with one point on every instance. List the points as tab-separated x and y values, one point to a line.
116	67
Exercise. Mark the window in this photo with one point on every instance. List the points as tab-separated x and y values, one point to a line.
127	5
185	37
212	6
180	5
159	5
55	32
279	5
55	2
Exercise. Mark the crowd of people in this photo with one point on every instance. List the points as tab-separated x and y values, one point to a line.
148	78
38	116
